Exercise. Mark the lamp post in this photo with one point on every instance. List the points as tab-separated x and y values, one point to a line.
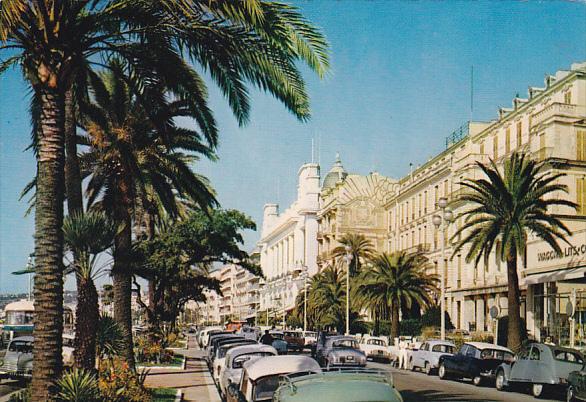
441	222
348	258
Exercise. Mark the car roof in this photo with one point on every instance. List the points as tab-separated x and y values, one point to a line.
440	342
485	345
272	365
26	338
340	337
229	345
252	348
339	386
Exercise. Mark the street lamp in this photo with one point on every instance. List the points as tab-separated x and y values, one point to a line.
348	258
441	223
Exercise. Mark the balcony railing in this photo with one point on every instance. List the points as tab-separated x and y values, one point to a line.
420	248
558	109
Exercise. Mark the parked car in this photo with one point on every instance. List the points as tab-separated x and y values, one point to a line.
219	341
279	342
260	377
475	360
375	348
68	350
338	386
309	338
541	366
340	351
295	340
577	385
220	355
427	357
249	332
205	336
18	360
235	359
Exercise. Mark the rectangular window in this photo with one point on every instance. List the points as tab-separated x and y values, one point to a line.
507	141
581	145
436	196
542	147
495	147
435	239
419	209
413	209
581	195
446	188
407	217
568	97
412	238
425	202
519	133
482	148
459	271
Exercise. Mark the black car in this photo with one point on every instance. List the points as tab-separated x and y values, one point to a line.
475	360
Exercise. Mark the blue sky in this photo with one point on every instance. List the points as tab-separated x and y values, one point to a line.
400	83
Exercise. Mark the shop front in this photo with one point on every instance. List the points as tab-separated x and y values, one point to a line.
556	292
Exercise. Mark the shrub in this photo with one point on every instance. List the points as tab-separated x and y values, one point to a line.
482	336
22	396
78	386
430	333
410	327
432	318
117	383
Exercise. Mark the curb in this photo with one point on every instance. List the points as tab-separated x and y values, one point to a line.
179	396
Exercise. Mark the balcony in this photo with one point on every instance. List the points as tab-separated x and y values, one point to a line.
561	110
543	153
420	248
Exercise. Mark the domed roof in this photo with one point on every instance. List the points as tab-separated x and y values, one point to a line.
336	174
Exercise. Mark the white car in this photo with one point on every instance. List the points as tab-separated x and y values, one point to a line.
231	370
248	332
427	356
260	377
375	348
205	334
310	338
68	350
220	355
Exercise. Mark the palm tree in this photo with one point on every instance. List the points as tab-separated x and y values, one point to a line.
505	207
237	42
129	159
87	236
395	279
361	249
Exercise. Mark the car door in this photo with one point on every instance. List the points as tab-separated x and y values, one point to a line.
519	366
455	363
470	361
419	355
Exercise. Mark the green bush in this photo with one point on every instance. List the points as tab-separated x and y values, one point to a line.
432	318
22	396
410	327
78	386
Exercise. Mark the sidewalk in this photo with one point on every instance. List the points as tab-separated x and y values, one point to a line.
195	381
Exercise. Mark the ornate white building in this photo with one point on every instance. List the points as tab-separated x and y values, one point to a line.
288	244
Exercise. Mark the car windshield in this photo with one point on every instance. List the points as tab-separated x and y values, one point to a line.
568	356
265	388
277	336
377	342
240	360
345	343
497	355
443	349
20	346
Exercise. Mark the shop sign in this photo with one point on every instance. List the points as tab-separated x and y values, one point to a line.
569	251
541	255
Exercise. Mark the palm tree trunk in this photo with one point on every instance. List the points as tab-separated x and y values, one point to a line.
394	322
86	324
48	290
515	332
122	282
72	172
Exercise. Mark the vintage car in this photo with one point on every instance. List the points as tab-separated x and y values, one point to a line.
309	338
249	332
279	342
338	386
235	358
375	348
340	351
260	376
576	390
427	356
220	340
476	360
220	355
295	340
204	336
541	366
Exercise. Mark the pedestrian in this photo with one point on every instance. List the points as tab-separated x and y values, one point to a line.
267	338
403	353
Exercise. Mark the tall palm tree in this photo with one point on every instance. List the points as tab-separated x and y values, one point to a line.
395	279
237	42
361	249
504	208
87	236
130	158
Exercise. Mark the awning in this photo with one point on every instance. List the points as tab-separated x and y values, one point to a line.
555	276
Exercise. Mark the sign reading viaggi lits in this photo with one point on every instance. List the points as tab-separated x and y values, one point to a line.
541	256
570	251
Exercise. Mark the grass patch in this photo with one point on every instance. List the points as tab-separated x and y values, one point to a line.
176	362
164	394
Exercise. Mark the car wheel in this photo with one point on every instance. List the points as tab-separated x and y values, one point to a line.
442	373
411	365
500	380
477	380
537	390
427	368
570	396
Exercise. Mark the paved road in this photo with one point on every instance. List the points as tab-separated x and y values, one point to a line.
419	387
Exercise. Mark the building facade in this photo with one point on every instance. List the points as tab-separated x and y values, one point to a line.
288	245
351	203
549	125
